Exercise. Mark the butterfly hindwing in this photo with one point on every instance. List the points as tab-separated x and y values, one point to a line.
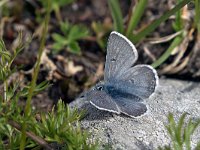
102	101
131	107
140	80
117	102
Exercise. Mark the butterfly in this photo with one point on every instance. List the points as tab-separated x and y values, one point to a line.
125	87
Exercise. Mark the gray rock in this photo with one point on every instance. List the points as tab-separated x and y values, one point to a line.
147	132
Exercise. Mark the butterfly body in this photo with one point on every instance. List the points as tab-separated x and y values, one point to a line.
125	86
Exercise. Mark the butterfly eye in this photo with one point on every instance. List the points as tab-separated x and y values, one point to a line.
99	88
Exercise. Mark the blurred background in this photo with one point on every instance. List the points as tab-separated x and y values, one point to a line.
166	35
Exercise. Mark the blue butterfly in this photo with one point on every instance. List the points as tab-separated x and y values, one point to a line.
125	86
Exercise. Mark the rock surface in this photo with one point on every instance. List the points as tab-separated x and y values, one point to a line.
147	132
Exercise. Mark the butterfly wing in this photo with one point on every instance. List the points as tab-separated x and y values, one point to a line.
131	107
140	80
102	101
121	55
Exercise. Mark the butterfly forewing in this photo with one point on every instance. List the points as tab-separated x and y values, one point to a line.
121	55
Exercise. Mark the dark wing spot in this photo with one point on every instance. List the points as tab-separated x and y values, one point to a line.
113	59
131	80
99	88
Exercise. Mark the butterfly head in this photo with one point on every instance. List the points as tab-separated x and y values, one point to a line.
96	89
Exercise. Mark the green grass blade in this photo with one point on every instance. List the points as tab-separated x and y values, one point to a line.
178	23
187	135
167	53
151	27
116	15
136	15
189	130
34	78
171	128
197	15
178	131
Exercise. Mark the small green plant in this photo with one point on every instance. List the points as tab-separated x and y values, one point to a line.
9	97
62	127
70	37
23	127
59	128
180	133
56	6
